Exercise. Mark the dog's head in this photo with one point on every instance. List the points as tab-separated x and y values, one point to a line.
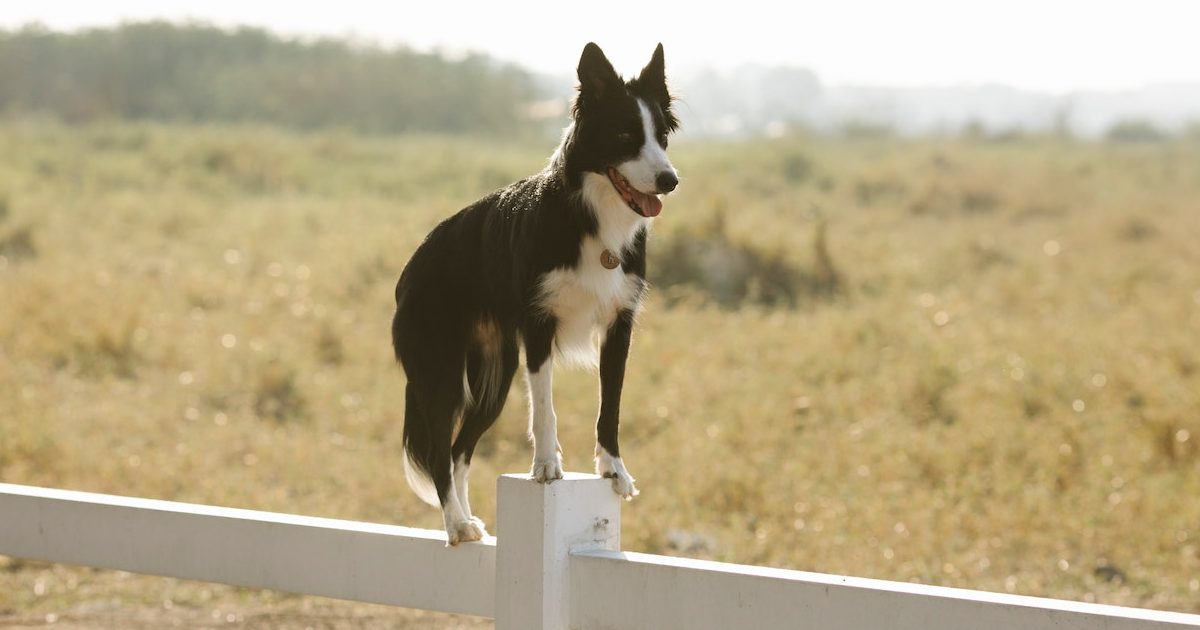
621	129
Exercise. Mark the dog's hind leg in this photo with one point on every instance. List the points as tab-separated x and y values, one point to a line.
490	369
434	405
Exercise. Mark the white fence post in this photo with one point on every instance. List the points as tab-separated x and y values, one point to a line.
538	525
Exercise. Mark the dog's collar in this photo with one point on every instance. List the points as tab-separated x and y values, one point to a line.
609	260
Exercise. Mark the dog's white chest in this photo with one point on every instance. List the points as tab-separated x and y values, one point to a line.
585	301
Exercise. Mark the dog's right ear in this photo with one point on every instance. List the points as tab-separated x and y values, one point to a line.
597	79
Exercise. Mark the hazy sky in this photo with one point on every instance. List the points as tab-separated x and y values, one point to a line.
1055	45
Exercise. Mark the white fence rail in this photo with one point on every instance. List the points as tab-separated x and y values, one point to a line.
558	565
382	564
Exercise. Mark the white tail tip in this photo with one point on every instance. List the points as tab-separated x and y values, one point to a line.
420	482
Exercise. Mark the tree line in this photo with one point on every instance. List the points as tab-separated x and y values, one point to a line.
201	73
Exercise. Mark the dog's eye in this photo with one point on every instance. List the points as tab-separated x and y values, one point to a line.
625	138
662	139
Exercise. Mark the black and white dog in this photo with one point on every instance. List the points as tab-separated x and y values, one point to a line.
555	262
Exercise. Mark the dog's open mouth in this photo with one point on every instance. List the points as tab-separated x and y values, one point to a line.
638	201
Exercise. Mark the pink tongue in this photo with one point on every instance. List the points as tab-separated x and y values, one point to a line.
651	205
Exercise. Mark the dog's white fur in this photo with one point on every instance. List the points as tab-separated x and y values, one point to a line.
586	300
543	424
651	160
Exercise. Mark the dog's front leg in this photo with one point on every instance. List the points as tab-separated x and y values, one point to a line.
612	376
543	423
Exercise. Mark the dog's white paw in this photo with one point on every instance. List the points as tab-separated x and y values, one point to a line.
465	531
622	484
547	470
613	468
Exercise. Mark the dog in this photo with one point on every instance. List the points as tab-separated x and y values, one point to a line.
555	263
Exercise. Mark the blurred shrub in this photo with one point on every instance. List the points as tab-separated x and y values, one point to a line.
329	346
1135	131
1137	229
950	196
277	396
863	130
17	243
109	348
797	167
732	272
868	191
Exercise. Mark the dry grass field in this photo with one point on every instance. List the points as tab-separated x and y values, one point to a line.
964	362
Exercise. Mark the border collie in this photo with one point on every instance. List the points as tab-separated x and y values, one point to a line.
556	263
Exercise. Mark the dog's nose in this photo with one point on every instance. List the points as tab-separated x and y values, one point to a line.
666	181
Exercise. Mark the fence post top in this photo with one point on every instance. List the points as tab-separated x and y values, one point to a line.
568	477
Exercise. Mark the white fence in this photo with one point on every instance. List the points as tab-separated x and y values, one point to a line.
556	565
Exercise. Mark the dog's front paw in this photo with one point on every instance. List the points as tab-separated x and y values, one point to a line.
613	468
465	531
622	484
547	470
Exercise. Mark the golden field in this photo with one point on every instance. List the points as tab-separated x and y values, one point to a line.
967	362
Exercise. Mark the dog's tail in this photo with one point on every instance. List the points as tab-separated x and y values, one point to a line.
418	441
481	389
417	445
486	373
419	480
483	396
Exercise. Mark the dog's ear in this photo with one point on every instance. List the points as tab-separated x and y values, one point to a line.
597	79
652	82
654	75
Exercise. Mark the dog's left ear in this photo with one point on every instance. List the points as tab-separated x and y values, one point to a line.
653	83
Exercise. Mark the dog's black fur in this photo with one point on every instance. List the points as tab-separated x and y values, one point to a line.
472	290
